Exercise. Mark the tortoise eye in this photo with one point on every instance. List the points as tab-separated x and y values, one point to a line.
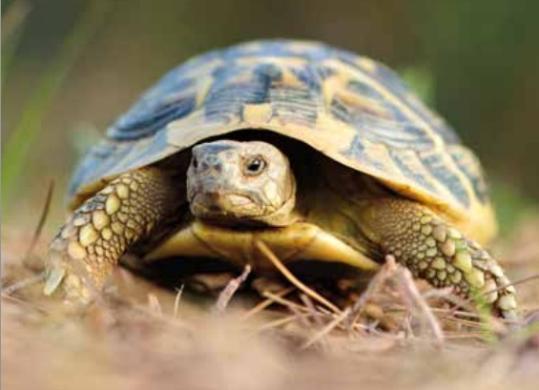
195	163
255	166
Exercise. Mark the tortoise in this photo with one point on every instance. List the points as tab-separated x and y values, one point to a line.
321	154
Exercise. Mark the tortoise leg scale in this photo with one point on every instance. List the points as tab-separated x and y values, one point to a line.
88	247
435	251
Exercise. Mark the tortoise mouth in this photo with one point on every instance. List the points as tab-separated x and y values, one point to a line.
230	209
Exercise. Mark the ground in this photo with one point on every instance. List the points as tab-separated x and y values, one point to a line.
141	336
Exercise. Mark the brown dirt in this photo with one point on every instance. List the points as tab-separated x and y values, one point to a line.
137	337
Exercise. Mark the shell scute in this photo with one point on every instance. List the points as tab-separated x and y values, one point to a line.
351	108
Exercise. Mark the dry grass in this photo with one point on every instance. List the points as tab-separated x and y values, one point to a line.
396	335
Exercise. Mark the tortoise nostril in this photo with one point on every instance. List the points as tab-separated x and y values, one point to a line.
213	160
210	162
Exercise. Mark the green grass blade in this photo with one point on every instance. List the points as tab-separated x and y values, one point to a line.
27	130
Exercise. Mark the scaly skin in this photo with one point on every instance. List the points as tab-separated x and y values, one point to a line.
437	252
88	247
223	187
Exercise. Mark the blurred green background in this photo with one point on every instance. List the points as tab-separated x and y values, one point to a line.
70	67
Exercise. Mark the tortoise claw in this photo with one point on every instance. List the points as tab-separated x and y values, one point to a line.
54	279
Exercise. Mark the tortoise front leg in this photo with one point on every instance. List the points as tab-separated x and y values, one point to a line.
88	247
437	252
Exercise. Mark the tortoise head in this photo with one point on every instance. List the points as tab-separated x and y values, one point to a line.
241	183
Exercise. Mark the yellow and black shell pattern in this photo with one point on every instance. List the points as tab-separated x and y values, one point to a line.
349	107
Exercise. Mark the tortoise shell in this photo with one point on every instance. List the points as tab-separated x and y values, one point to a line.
349	107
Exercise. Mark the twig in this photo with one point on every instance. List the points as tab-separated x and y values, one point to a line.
469	309
37	233
328	328
437	293
177	300
495	322
465	335
28	304
468	303
153	304
447	311
143	309
312	309
283	301
302	316
292	279
409	288
517	282
41	222
377	281
278	322
265	303
9	290
316	318
228	292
